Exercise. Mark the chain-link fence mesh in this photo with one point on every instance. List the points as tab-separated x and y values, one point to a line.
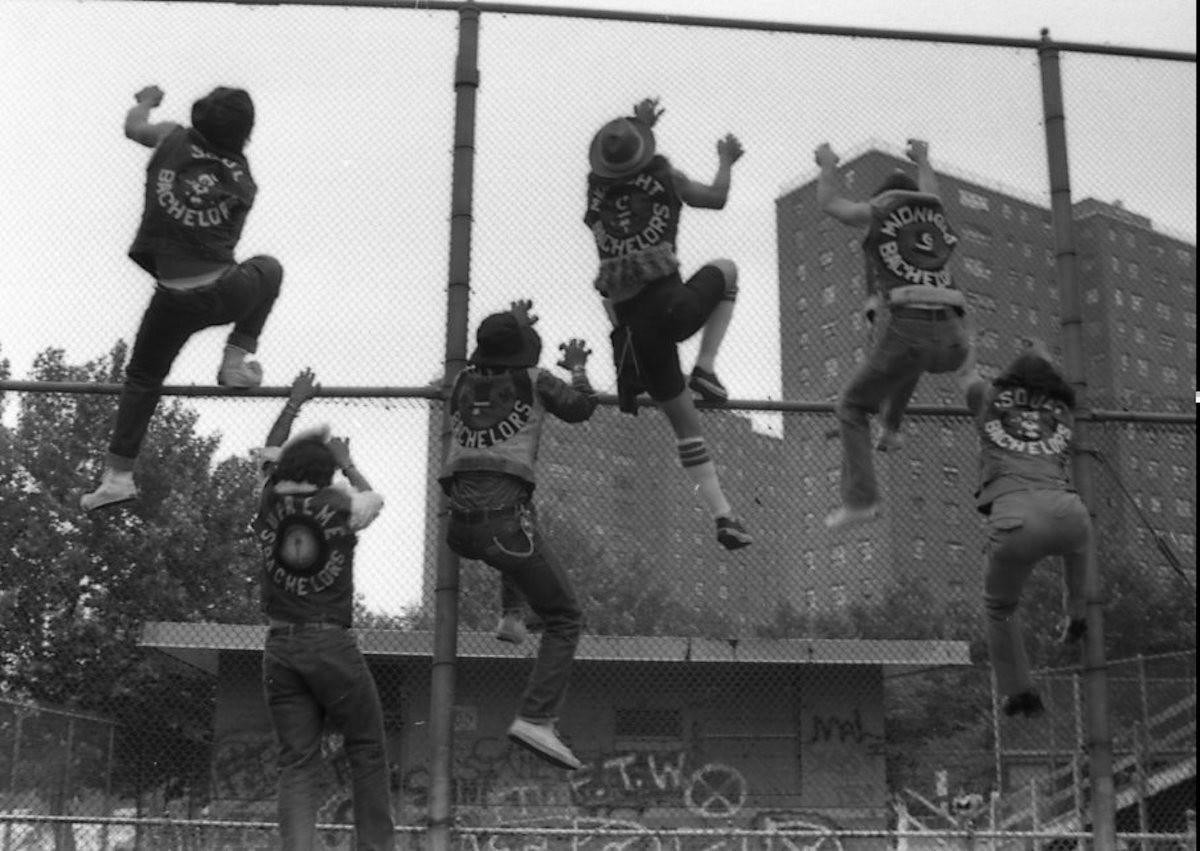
819	681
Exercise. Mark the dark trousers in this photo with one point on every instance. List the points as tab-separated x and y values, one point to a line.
243	296
512	545
310	675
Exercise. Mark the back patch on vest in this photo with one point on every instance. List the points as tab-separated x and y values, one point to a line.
200	192
914	242
631	216
487	410
1029	423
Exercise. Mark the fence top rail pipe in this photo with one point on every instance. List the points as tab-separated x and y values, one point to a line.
434	393
728	23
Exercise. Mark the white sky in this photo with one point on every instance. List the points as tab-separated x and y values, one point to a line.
352	154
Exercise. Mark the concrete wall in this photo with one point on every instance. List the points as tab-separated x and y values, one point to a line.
666	744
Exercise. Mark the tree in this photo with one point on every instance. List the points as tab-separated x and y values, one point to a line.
75	589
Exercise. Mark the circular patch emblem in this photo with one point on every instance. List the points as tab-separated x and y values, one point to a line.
300	546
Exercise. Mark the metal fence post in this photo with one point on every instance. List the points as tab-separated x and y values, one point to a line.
1103	799
445	641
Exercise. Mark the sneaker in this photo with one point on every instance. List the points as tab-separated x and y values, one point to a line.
1027	703
543	741
1073	629
731	534
848	516
511	628
889	441
708	386
237	371
114	488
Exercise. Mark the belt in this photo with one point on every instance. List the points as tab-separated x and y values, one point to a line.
278	627
480	515
926	312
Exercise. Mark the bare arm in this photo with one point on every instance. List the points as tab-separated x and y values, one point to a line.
830	197
918	152
712	196
137	120
303	389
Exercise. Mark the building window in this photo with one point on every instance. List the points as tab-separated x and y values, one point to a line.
972	200
1134	271
1033	316
1166	341
947	436
918	549
1135	301
1179	474
1183	507
1164	310
802	272
866	550
1189	318
801	304
826	259
809	484
1155	505
837	556
979	236
831	367
805	376
1092	296
1006	211
810	560
829	294
859	354
955	549
977	268
916	467
1116	264
949	473
1139	334
1119	297
838	594
1143	367
1170	374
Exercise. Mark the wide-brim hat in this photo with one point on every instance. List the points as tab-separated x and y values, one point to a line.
501	340
621	148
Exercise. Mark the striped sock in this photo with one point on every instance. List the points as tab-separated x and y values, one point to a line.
693	455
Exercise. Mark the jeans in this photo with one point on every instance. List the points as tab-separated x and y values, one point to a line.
243	296
903	349
310	675
1023	528
512	545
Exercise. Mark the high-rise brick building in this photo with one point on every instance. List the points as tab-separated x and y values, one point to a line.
1139	312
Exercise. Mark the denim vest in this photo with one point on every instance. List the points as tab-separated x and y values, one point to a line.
496	423
196	202
1024	443
907	247
635	222
307	550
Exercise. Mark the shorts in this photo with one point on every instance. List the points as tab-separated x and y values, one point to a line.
664	314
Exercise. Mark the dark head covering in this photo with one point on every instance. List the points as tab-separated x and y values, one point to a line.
621	148
502	340
897	180
225	118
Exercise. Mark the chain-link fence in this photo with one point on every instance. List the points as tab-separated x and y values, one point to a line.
820	689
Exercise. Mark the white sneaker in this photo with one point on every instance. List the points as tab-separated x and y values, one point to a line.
847	516
114	487
237	371
889	441
511	628
543	740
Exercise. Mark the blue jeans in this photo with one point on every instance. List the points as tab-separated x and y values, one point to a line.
903	350
1023	528
512	545
310	675
243	296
